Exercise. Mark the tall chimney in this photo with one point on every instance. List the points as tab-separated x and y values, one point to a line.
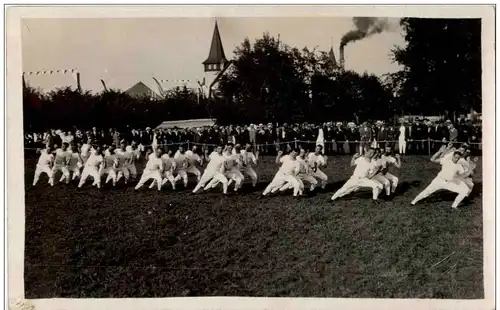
341	60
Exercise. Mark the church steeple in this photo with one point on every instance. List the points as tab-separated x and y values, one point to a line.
331	59
216	57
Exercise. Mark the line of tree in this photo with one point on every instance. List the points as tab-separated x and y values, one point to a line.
273	82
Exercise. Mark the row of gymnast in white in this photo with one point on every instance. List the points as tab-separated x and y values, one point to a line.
228	164
457	168
93	162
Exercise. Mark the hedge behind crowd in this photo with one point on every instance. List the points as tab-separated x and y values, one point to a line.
273	82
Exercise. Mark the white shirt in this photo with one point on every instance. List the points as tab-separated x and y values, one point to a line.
74	160
134	154
319	159
193	158
85	151
363	167
303	165
62	157
110	160
154	164
285	158
213	155
94	161
180	160
387	160
248	158
216	162
123	157
168	162
232	160
466	165
449	170
45	159
290	167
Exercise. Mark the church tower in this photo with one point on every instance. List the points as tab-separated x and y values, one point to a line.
216	61
332	62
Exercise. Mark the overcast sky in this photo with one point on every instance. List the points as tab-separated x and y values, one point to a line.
125	51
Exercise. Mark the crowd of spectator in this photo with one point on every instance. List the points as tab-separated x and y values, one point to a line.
421	136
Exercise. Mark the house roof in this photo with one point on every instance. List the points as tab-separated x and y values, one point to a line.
140	90
216	54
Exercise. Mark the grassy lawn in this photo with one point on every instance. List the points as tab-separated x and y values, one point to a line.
120	243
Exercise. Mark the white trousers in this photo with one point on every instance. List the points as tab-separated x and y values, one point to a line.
233	175
112	174
195	171
40	170
321	176
133	170
168	176
75	172
384	181
181	174
91	172
469	182
63	169
208	176
248	171
307	178
456	186
122	172
148	175
355	183
393	179
279	180
402	146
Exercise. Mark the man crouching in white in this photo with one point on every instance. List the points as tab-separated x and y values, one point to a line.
214	170
470	164
232	165
44	165
93	168
288	172
317	160
305	174
110	165
153	170
389	160
379	164
247	160
361	177
193	160
449	178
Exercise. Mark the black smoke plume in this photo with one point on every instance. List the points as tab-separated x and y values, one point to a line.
365	27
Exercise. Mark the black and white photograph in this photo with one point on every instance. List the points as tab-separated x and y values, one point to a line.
219	155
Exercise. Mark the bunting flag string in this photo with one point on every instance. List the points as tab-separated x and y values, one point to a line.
176	81
52	72
73	72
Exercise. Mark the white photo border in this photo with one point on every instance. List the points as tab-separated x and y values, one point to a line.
15	167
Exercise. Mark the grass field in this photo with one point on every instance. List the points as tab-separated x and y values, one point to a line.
120	243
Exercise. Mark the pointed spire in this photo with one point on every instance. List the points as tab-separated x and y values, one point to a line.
331	58
216	57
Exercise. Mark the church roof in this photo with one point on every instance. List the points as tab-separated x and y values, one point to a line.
216	54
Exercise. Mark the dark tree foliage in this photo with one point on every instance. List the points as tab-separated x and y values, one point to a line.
272	82
442	66
66	108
